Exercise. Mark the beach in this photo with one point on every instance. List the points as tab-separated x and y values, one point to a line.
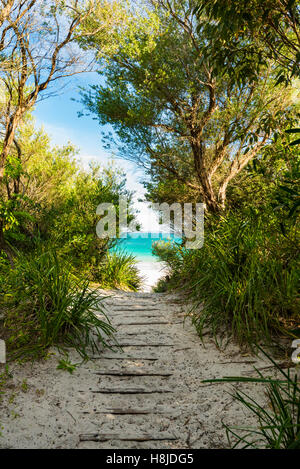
151	270
139	244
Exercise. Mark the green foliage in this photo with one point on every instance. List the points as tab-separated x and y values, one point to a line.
174	110
169	252
287	198
66	365
45	305
161	286
58	207
244	280
48	223
199	93
250	32
245	276
278	419
294	131
119	270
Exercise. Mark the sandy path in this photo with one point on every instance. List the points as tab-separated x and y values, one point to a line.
151	271
151	396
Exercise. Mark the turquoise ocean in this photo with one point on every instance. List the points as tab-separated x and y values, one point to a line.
140	244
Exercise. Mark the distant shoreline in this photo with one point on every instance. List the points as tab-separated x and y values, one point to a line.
139	244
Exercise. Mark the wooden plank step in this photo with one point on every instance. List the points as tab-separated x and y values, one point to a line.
132	373
140	344
135	305
125	357
133	411
135	316
137	309
126	437
131	312
156	332
138	390
145	323
129	319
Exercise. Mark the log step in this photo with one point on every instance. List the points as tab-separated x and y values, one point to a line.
136	309
143	323
135	316
124	357
155	332
131	411
132	373
124	390
126	437
136	344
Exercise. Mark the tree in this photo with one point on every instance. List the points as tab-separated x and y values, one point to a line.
250	32
172	110
35	174
38	47
49	197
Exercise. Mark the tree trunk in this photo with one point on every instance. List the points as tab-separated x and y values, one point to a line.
9	139
209	197
222	196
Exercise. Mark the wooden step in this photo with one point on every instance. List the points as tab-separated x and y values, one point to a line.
126	437
135	411
140	344
125	357
135	316
138	323
136	309
129	390
132	373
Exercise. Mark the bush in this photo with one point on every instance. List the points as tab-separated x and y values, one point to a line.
244	278
278	421
45	305
119	270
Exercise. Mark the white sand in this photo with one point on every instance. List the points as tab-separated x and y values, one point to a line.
151	271
48	408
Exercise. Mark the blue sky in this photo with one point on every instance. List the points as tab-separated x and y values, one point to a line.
58	115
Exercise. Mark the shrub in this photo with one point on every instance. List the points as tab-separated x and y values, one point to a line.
45	305
244	279
278	420
119	270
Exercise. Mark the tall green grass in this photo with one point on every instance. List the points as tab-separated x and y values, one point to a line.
244	280
278	419
119	270
45	305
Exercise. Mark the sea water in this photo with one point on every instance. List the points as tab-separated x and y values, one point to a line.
140	244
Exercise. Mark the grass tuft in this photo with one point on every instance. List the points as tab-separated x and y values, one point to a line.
45	305
243	282
278	419
119	270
